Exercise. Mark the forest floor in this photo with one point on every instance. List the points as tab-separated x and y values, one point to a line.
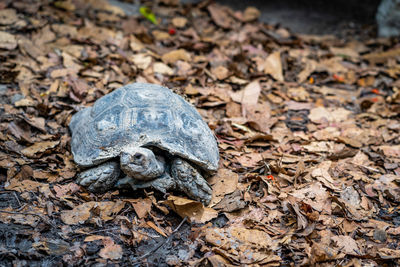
307	125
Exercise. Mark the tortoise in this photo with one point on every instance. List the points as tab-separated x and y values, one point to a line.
144	135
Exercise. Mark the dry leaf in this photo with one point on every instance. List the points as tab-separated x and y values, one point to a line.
141	206
382	57
81	213
25	185
346	244
250	14
321	174
8	16
391	151
273	66
223	183
174	56
111	250
250	95
194	210
142	61
321	115
38	148
161	68
7	41
220	16
179	22
160	35
220	72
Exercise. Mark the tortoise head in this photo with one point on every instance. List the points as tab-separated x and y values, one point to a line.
141	163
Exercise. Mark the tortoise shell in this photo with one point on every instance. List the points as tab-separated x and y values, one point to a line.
141	114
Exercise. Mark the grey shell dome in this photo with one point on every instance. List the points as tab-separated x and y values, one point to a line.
141	114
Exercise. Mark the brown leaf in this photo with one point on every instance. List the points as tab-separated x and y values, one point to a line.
8	16
67	189
273	66
193	210
179	22
141	206
223	183
390	151
111	250
7	41
175	55
220	72
156	228
231	202
81	213
38	148
382	57
250	14
321	174
250	245
159	67
250	95
25	185
220	16
346	244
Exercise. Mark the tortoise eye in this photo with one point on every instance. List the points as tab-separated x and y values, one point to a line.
138	156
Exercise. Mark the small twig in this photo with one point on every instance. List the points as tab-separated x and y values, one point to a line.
95	232
32	214
16	197
162	243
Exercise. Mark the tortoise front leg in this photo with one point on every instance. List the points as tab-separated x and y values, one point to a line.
100	178
190	181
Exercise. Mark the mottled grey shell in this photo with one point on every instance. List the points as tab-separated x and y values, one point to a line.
141	114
